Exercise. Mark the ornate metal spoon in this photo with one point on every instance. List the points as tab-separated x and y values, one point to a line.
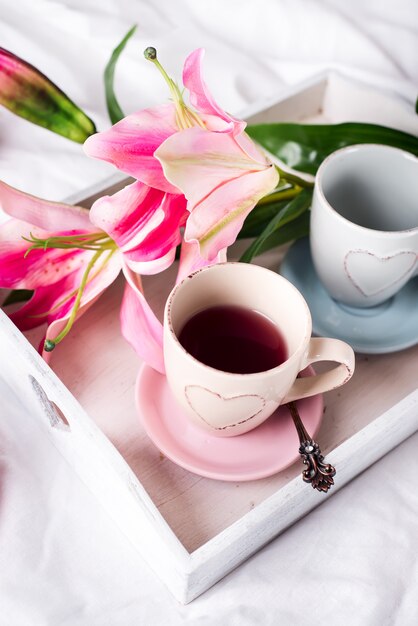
318	473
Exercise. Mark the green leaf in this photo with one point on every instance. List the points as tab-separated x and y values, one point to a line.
304	147
265	210
295	229
259	218
113	108
27	92
18	295
289	212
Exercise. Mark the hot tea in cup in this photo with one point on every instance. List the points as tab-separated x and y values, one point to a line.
233	339
236	337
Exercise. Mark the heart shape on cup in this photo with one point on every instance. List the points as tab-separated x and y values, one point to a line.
208	405
371	274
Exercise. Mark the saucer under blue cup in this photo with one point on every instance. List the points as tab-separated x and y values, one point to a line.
386	328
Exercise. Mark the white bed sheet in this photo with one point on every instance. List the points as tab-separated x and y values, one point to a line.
353	561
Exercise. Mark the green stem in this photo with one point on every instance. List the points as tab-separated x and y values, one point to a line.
277	196
51	343
294	178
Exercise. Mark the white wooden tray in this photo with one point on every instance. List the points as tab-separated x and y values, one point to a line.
191	530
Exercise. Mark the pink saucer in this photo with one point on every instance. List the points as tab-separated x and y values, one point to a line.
262	452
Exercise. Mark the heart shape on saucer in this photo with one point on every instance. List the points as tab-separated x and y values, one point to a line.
209	404
371	274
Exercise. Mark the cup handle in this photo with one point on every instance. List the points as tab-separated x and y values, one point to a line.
323	349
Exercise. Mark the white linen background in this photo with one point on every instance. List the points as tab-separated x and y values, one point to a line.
354	560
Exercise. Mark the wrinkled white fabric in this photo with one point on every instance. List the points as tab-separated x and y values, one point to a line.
354	560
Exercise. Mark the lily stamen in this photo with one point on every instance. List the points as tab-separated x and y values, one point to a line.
73	293
95	242
195	118
50	344
185	116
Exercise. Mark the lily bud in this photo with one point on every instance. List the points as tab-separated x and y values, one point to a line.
30	94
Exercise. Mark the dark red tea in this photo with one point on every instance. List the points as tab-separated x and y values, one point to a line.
234	339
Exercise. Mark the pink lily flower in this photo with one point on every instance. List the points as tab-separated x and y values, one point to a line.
68	256
202	153
223	177
131	143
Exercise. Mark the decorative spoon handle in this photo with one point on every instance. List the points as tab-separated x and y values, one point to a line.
318	473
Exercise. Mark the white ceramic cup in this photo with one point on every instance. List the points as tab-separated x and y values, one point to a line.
227	404
364	223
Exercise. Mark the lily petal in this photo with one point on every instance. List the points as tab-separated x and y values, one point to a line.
197	161
51	216
39	267
145	224
191	260
139	325
200	97
250	148
106	272
53	301
217	220
56	326
130	144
